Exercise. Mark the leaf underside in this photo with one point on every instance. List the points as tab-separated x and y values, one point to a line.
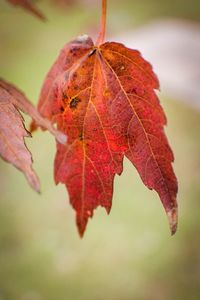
12	134
103	98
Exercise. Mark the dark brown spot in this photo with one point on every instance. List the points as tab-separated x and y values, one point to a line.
92	52
64	96
74	102
75	75
81	137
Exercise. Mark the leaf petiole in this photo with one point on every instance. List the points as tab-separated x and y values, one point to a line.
102	32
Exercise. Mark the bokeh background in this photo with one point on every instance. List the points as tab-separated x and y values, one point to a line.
129	255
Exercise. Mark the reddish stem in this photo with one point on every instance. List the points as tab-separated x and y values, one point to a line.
102	32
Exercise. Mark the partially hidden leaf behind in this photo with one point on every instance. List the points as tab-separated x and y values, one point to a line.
103	98
12	134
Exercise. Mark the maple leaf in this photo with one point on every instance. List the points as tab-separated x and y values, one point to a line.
29	6
103	97
13	132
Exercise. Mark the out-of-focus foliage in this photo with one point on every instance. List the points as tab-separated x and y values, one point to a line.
122	257
12	135
28	5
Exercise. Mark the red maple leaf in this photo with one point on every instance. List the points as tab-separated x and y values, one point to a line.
103	98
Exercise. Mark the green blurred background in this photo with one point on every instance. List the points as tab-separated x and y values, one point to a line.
129	255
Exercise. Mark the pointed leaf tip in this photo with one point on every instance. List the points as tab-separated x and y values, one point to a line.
173	219
81	225
33	180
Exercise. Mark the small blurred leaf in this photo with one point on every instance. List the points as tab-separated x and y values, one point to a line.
29	6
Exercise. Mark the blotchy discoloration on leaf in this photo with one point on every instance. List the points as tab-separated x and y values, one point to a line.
117	114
